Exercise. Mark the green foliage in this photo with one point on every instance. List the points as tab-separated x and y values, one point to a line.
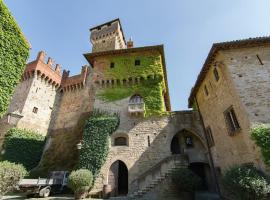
186	180
80	180
23	147
247	183
14	51
10	174
261	134
151	89
95	140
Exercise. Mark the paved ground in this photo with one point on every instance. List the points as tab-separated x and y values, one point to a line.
20	197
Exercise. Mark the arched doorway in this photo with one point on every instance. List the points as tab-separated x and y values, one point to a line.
203	171
175	145
118	178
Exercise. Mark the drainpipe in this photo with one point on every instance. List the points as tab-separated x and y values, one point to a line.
209	151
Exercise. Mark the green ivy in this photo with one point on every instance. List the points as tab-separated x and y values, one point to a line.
261	134
14	51
151	89
95	143
23	147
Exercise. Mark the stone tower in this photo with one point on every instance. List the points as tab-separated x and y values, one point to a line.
108	36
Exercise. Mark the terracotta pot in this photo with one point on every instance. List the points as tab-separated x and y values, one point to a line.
80	195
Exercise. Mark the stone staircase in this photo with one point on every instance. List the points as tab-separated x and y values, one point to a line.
155	175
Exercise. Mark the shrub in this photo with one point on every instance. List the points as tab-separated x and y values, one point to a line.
80	181
186	180
10	174
247	183
23	147
261	134
14	52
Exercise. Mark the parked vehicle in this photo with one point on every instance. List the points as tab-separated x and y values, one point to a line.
43	187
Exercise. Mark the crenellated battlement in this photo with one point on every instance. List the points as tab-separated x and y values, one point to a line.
74	82
47	71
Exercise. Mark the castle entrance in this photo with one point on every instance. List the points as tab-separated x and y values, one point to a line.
118	178
203	171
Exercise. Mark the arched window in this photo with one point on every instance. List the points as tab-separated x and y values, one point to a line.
136	99
120	141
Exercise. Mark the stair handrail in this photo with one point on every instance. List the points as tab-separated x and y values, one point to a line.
183	157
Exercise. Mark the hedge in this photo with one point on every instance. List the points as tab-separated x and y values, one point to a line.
23	147
261	134
246	183
95	143
14	52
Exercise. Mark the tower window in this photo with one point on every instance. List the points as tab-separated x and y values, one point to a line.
231	121
216	74
112	65
137	62
206	90
209	137
148	140
35	110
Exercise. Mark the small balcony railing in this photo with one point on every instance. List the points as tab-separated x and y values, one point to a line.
136	108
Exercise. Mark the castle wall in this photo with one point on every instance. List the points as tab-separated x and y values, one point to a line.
30	94
228	150
139	156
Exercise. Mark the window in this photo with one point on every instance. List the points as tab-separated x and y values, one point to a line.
136	99
148	140
120	141
112	65
209	137
103	41
137	62
206	90
216	74
35	110
231	121
189	141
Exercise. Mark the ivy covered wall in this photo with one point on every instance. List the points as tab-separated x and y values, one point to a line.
149	74
14	51
95	142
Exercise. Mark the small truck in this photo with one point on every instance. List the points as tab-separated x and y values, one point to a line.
43	187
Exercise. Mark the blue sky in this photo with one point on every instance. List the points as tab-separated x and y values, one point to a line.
187	28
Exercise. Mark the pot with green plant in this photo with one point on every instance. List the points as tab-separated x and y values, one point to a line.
80	181
186	181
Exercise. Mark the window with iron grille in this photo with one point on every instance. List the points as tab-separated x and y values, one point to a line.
209	137
231	121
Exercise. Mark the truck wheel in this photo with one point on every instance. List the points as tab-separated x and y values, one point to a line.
45	192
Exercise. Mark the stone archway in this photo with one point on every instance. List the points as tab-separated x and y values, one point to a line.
118	178
189	143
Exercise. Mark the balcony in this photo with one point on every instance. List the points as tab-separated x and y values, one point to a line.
136	108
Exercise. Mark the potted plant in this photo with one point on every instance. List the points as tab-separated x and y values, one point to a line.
80	181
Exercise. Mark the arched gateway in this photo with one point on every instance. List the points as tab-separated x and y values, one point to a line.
118	178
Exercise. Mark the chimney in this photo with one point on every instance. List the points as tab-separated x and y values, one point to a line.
41	56
58	68
130	43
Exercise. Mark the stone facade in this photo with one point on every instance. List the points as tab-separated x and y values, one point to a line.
235	75
244	86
